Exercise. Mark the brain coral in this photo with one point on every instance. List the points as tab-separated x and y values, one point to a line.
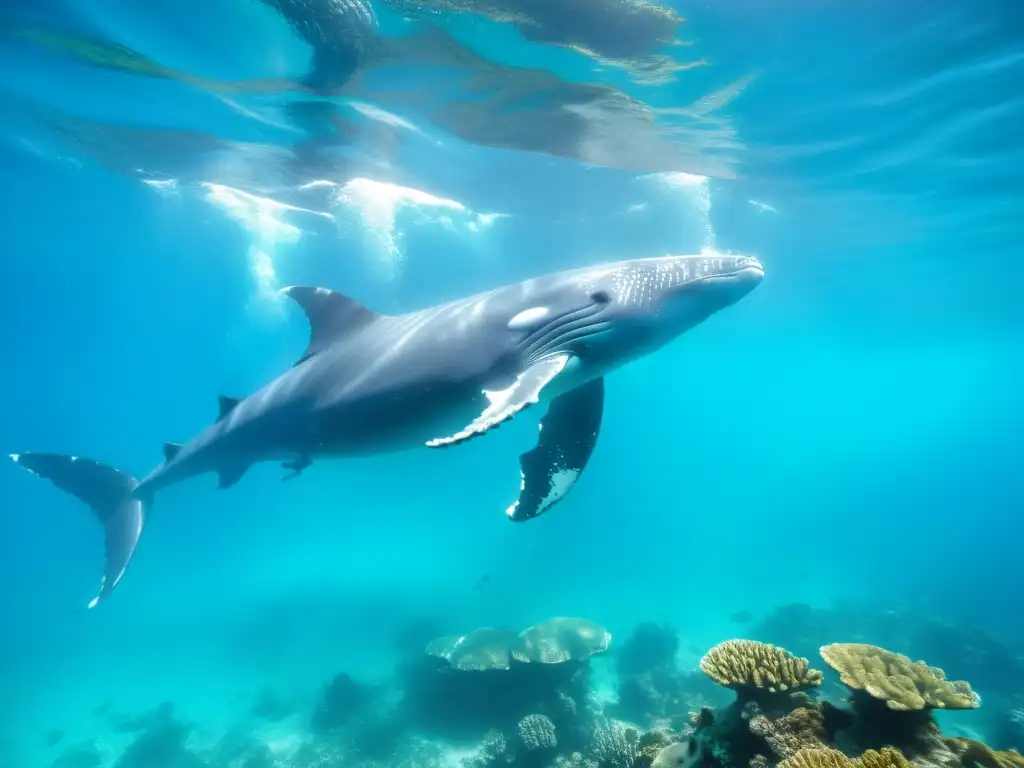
747	664
893	678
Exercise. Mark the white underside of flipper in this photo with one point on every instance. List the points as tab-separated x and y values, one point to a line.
506	403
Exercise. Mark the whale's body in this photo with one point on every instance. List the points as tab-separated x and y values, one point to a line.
370	383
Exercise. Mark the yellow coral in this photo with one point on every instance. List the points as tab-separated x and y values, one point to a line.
750	664
887	758
974	754
833	758
893	678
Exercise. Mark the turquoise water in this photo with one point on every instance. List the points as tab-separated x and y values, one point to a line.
848	436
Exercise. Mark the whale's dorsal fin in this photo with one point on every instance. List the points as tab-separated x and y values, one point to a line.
331	315
226	405
171	450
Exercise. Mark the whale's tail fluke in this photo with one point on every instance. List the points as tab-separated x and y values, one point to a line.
109	492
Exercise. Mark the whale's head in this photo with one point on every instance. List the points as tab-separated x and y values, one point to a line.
609	314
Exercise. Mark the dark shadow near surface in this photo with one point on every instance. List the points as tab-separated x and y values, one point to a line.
468	95
627	34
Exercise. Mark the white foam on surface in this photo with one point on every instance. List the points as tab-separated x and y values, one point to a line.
264	218
384	211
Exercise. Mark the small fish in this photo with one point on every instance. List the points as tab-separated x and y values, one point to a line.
53	737
742	617
482	582
682	754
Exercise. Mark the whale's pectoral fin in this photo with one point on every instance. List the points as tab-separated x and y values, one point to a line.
568	434
230	474
297	467
506	403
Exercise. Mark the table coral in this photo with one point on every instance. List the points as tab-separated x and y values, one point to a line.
893	678
748	664
561	639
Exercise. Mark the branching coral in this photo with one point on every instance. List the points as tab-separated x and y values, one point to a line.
495	751
574	760
537	732
614	745
902	684
833	758
745	665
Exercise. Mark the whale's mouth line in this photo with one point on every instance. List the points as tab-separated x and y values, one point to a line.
748	270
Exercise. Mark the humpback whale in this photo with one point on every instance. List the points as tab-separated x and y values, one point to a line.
369	383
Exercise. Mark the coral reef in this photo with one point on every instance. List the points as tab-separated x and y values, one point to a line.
833	758
993	666
803	728
652	689
575	760
161	745
480	650
750	668
525	699
893	678
974	754
553	641
559	640
889	724
492	678
614	745
342	699
892	698
537	732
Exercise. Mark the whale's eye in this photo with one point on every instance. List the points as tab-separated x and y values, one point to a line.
600	297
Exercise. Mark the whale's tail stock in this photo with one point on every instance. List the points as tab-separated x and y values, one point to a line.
108	491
